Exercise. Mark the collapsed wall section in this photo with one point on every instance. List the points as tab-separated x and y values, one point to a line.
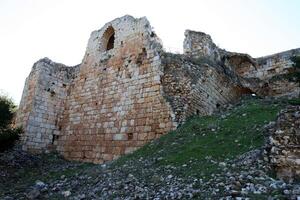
276	73
279	73
272	75
200	45
275	64
282	148
196	88
42	103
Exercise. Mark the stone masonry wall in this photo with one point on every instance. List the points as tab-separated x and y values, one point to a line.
277	70
127	91
42	103
282	147
275	64
196	89
199	45
263	68
266	70
115	104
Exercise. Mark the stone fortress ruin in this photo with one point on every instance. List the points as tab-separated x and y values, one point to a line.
128	91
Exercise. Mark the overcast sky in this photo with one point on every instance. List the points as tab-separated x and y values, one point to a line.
59	29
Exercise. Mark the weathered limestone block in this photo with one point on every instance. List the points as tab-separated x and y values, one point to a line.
283	144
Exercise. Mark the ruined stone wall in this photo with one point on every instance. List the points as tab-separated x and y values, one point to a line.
282	147
278	71
263	68
127	91
268	72
199	45
275	64
275	73
115	104
42	103
243	64
196	89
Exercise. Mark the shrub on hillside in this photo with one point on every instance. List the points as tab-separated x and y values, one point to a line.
8	137
8	134
296	61
7	110
296	65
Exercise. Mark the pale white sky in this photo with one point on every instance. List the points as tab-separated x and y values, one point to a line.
59	29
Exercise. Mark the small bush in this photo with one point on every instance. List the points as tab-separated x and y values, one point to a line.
8	135
294	102
7	110
8	138
296	61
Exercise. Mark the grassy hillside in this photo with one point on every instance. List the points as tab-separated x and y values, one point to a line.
218	137
204	158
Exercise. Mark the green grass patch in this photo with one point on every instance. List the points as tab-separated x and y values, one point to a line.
203	142
294	101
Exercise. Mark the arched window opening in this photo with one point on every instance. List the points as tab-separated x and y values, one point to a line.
108	38
110	43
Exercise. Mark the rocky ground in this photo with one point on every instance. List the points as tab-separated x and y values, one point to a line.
244	178
236	170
